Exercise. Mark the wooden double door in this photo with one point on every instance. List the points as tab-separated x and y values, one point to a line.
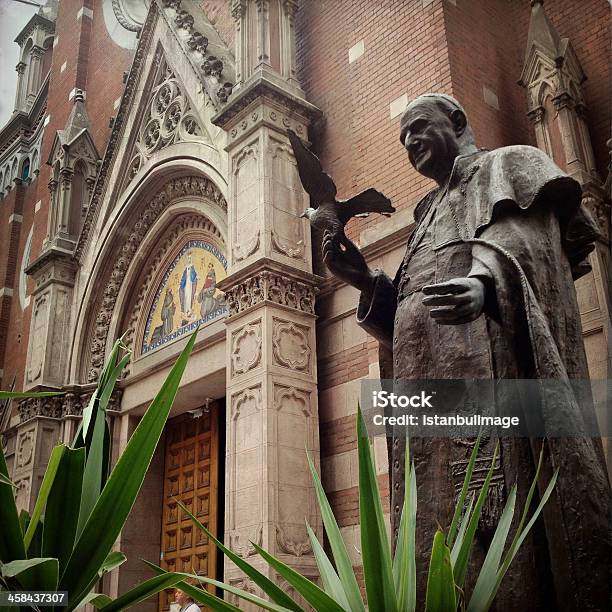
191	476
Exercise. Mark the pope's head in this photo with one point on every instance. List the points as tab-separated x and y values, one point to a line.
434	130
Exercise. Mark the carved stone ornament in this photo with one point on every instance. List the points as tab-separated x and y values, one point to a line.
244	548
167	118
290	347
290	546
25	448
248	398
292	400
272	287
131	13
246	348
177	188
71	403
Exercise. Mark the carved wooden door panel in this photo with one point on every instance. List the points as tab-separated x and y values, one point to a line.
190	476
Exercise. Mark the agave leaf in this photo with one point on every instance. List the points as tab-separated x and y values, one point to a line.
462	528
341	558
318	598
92	475
441	595
117	498
375	549
62	512
450	539
258	601
143	591
199	595
331	583
37	574
113	560
460	566
521	533
263	582
6	480
485	584
43	493
404	562
97	600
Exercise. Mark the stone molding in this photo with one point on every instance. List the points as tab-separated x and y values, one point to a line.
70	404
270	286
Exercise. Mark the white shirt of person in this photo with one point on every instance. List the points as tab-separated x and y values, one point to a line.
191	607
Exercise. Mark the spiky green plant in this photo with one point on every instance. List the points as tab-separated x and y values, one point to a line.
390	582
66	543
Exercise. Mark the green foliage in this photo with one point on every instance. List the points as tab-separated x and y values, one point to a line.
390	583
66	544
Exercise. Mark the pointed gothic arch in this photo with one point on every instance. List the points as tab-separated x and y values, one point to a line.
132	253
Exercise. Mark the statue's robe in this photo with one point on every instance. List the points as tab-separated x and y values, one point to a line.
513	219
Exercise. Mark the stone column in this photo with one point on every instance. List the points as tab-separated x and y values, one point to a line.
34	75
49	339
21	66
271	354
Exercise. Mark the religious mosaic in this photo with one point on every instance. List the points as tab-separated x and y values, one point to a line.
187	295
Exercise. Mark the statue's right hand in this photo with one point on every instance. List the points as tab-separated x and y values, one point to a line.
345	261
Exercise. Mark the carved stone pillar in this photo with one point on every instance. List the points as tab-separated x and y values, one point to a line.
271	359
34	75
49	339
21	66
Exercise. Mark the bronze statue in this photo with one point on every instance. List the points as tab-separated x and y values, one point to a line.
485	291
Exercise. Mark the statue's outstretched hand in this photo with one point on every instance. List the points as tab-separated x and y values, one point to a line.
460	300
345	261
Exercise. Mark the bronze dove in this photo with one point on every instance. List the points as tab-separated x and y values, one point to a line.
326	212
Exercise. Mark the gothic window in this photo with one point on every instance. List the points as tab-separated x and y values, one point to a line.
78	199
25	169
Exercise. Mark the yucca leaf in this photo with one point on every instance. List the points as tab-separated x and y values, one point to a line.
460	565
97	600
199	595
452	531
441	595
341	558
203	596
404	562
375	549
62	512
113	560
37	574
462	528
521	533
143	591
258	601
92	475
43	493
6	480
263	582
315	596
331	583
11	536
117	498
485	584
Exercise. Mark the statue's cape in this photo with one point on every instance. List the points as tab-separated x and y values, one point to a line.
530	234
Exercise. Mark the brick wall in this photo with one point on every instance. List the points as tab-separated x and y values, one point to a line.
473	50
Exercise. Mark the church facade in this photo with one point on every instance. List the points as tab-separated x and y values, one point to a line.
148	188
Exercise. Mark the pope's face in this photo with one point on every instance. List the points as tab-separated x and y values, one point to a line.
429	136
